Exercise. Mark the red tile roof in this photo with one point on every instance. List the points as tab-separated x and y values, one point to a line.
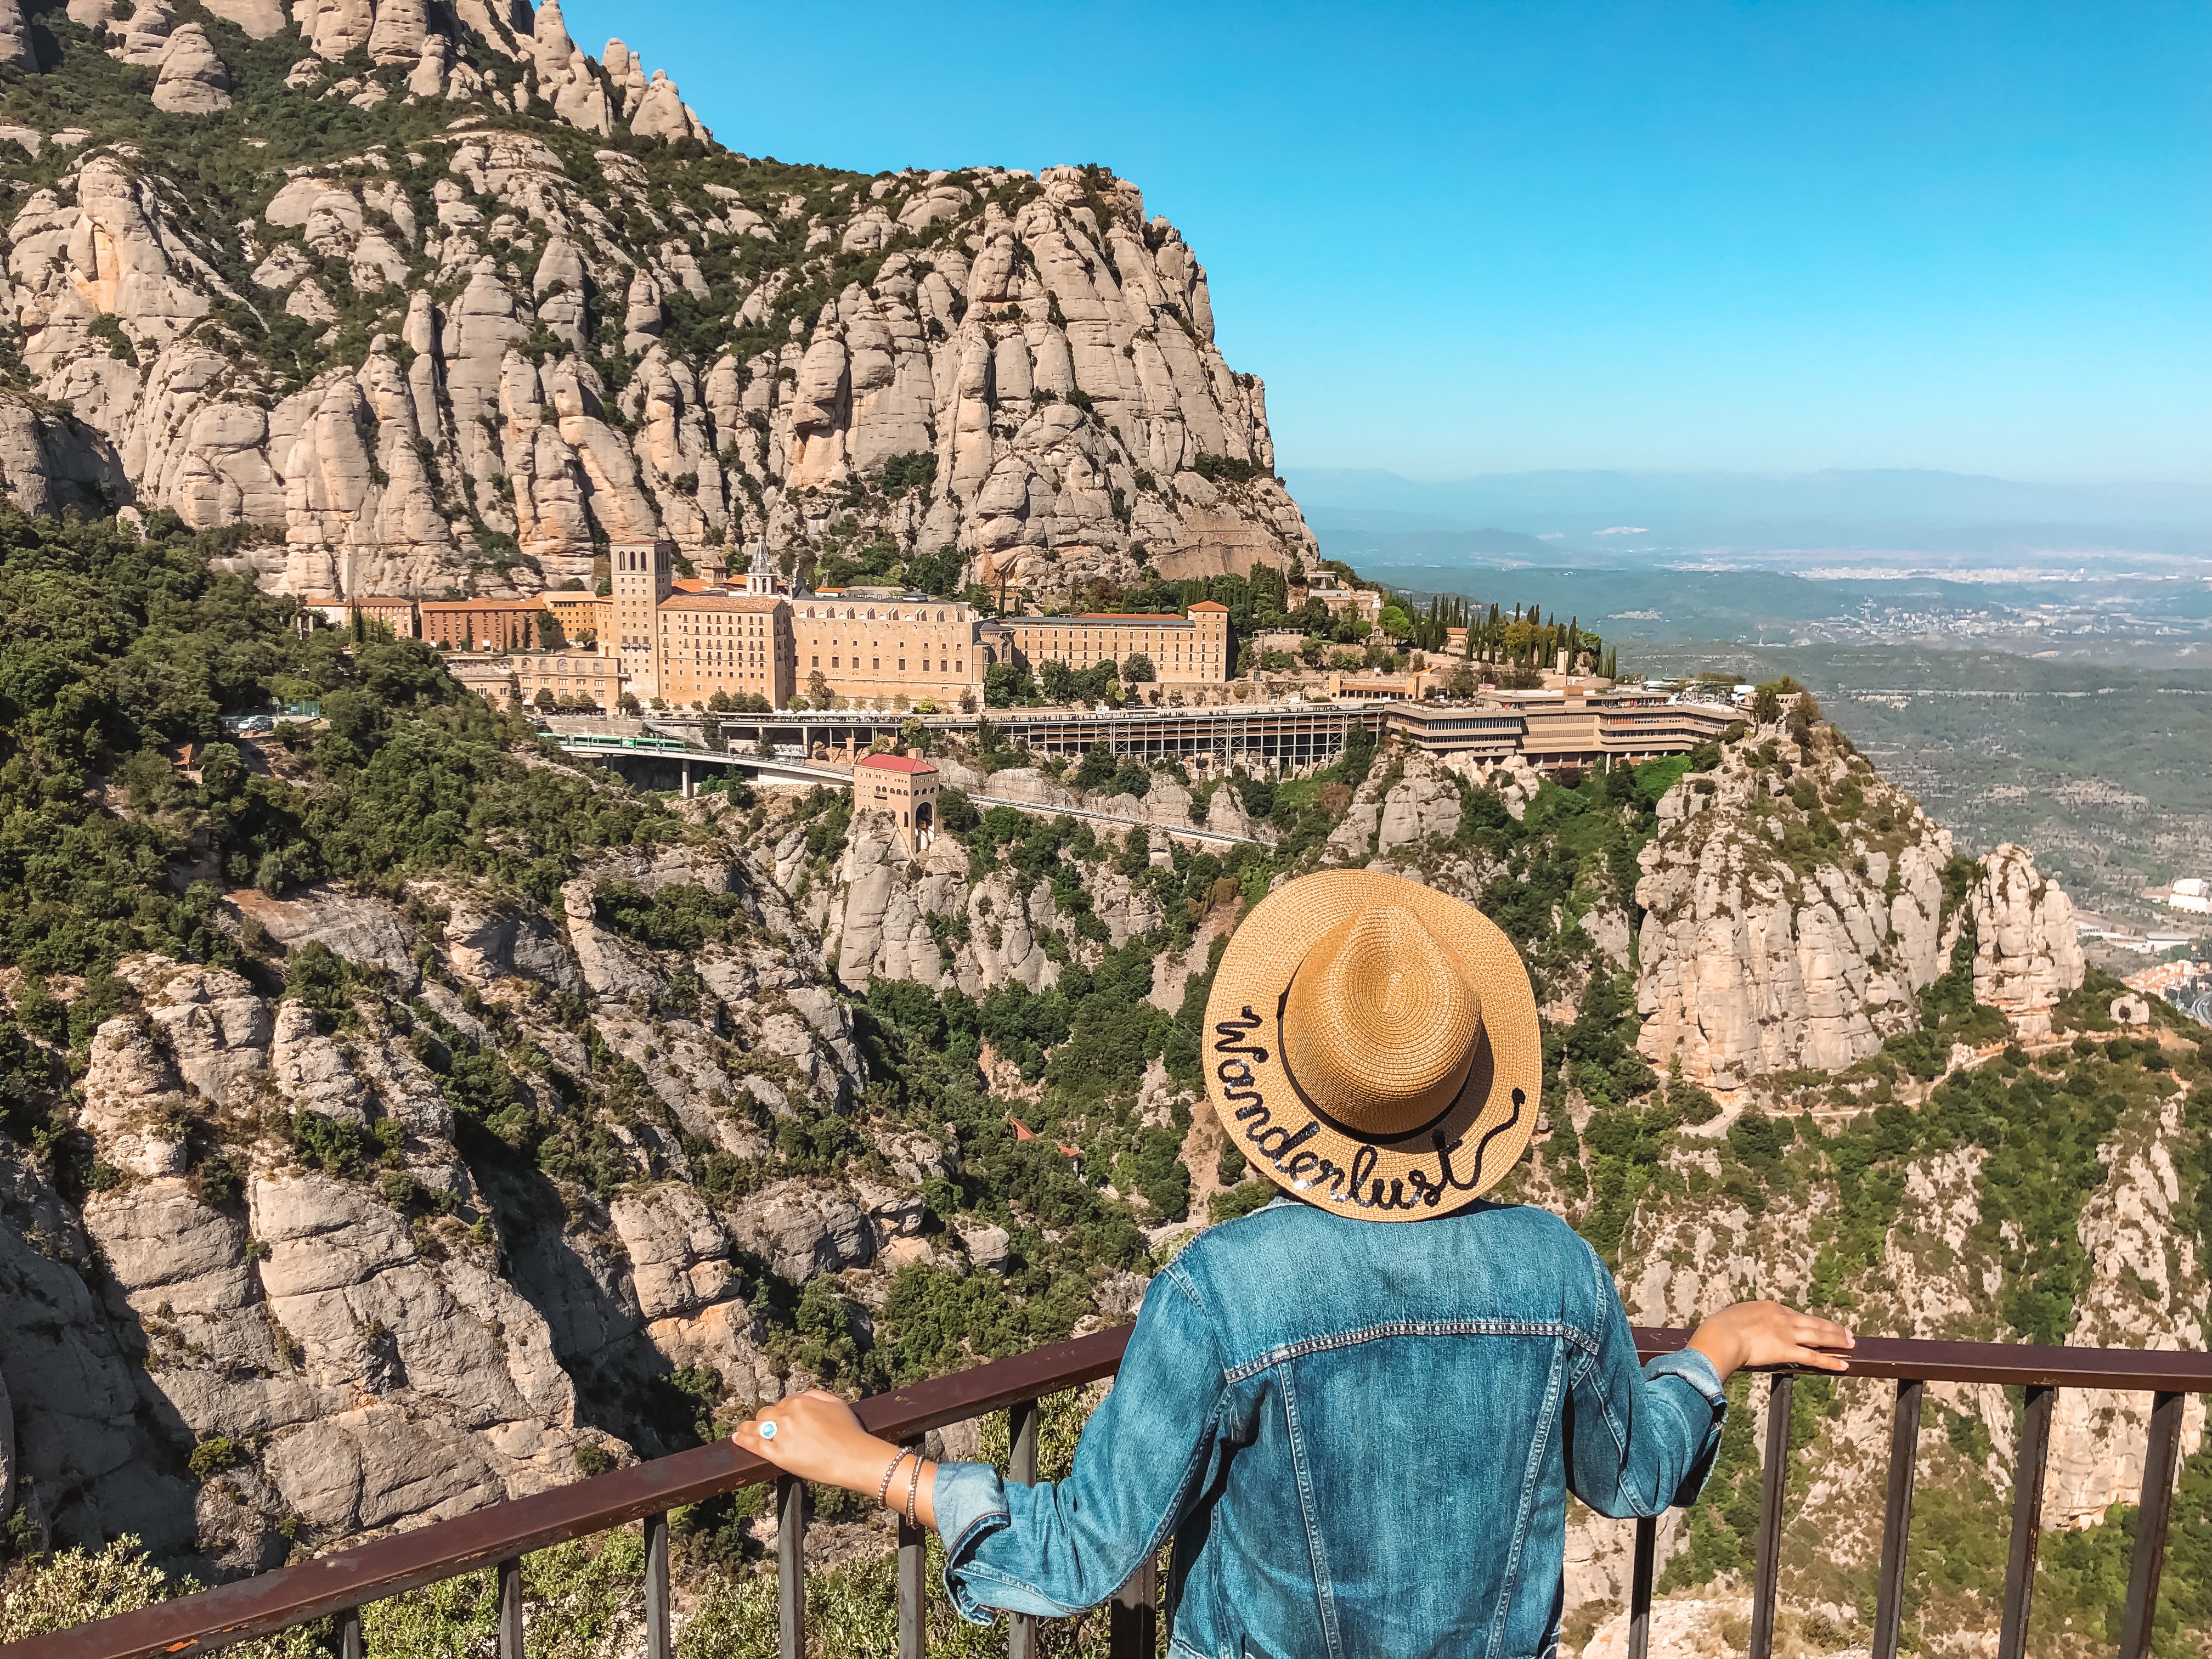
1208	604
896	764
722	602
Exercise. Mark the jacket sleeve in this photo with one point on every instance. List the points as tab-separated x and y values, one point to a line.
1638	1441
1060	1547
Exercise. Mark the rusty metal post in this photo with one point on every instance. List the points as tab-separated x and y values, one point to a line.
1021	1469
2160	1459
2027	1522
791	1568
1897	1519
510	1609
659	1638
1773	1487
913	1585
1639	1592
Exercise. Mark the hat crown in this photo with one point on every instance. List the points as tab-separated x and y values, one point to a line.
1381	1022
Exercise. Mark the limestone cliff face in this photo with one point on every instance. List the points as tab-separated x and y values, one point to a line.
1795	910
469	352
932	919
2026	954
50	462
290	1247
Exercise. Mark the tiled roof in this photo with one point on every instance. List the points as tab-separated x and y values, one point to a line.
722	602
896	764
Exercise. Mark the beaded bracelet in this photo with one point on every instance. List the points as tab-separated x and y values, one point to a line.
912	1486
884	1489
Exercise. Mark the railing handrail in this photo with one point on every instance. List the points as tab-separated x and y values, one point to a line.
392	1565
2017	1364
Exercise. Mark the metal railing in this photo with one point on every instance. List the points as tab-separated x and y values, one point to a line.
336	1586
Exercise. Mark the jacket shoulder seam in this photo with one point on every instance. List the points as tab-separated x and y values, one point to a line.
1174	1274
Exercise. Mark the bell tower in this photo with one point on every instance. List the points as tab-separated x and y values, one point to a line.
761	579
642	576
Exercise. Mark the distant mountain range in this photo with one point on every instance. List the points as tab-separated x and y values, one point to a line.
1879	519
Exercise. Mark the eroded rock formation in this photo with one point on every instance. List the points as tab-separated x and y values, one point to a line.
396	1328
1795	907
537	348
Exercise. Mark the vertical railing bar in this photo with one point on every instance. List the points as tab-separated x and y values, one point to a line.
791	1567
351	1645
658	1639
1897	1518
510	1609
1132	1616
1022	1470
2161	1456
1772	1485
2026	1521
913	1579
1171	1593
1639	1592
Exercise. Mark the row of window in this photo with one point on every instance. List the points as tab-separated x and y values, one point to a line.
830	612
956	665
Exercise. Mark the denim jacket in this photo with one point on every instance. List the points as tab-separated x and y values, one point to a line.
1361	1436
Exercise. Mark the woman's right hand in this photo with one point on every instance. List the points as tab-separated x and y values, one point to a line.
1768	1334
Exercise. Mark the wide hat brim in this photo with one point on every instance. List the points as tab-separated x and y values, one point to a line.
1432	1168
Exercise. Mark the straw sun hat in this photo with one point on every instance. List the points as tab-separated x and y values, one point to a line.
1371	1045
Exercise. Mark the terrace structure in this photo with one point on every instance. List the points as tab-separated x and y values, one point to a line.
1583	727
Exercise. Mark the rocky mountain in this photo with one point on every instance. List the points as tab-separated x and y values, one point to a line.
1796	905
435	300
295	1256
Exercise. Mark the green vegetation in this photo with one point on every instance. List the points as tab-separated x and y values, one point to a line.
675	918
117	650
2041	1129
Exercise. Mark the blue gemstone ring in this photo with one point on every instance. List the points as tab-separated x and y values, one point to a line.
768	1431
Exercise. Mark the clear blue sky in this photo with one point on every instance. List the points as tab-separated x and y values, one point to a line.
1457	239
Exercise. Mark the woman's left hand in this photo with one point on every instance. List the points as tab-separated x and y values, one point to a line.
815	1437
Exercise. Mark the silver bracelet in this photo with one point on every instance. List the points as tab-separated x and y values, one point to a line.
912	1486
883	1491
